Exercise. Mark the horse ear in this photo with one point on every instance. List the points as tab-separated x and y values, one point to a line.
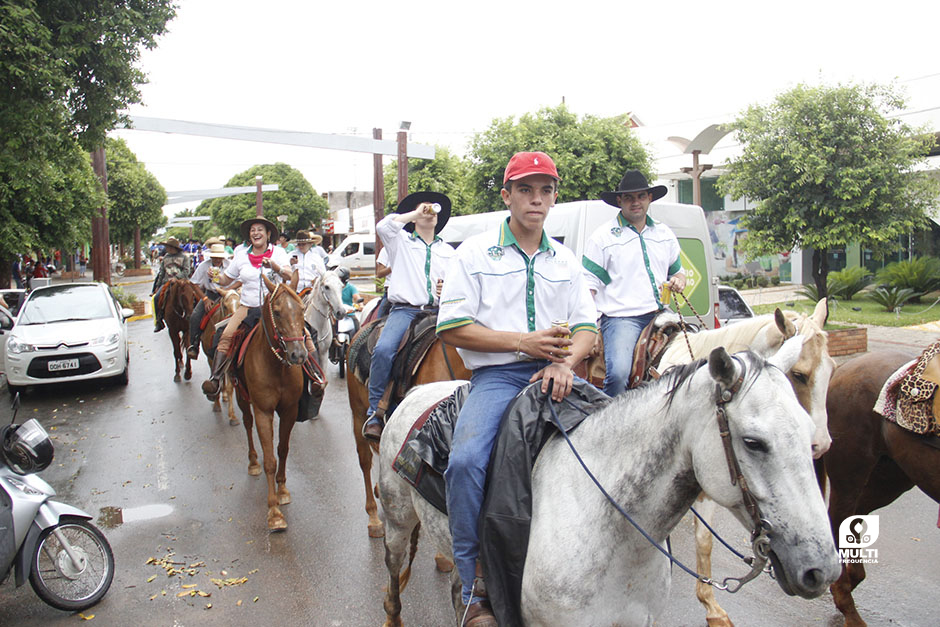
784	324
294	280
224	292
821	313
721	366
268	283
789	354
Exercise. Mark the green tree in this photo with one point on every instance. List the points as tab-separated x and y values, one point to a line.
135	196
67	67
445	173
591	154
827	167
295	199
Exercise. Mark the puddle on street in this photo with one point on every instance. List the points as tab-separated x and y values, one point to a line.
111	517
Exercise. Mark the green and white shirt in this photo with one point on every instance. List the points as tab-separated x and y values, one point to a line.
492	282
417	265
627	268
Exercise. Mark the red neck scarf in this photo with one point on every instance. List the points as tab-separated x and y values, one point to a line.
257	259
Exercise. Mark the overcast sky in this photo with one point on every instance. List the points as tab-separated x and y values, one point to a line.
450	68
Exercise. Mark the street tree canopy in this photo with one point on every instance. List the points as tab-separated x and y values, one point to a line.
295	199
67	67
591	154
446	173
135	196
826	166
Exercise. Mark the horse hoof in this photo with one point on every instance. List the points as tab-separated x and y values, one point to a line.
176	379
283	498
277	523
254	469
188	376
234	422
216	409
443	564
376	531
719	621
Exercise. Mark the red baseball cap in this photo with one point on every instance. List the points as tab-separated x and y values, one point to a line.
529	163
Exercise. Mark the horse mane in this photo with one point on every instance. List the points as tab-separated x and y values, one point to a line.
679	374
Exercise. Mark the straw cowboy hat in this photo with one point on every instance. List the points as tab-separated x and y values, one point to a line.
411	201
172	242
217	251
633	181
213	240
246	225
305	237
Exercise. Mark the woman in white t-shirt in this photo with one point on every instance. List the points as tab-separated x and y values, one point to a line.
246	267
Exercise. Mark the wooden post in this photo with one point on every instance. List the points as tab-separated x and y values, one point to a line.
378	191
259	209
137	248
402	164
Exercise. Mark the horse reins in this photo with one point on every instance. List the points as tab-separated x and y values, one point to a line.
760	542
278	340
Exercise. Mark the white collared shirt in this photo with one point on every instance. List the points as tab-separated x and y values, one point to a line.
309	267
493	283
627	268
253	288
417	265
203	280
383	259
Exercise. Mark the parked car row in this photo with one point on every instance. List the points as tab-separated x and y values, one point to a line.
59	333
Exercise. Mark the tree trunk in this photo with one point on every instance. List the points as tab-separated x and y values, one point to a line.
6	272
137	248
820	272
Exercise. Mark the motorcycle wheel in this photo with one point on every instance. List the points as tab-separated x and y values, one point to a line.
60	582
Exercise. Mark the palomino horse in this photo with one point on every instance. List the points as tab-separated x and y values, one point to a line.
227	307
809	377
180	297
272	374
872	461
441	363
654	450
324	299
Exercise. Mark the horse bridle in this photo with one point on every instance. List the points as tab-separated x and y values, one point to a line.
760	540
277	344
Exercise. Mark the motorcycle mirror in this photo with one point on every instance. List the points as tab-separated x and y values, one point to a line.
15	405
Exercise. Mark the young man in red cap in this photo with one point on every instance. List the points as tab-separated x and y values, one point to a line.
504	289
419	258
626	263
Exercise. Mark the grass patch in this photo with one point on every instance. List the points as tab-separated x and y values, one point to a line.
870	313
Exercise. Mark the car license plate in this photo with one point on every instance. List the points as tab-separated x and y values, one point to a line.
63	364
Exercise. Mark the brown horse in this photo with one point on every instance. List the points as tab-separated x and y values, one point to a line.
271	372
872	461
441	363
227	307
179	298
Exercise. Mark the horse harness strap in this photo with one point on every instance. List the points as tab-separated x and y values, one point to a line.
277	343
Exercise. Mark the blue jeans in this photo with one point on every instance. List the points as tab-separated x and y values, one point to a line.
620	337
384	355
474	436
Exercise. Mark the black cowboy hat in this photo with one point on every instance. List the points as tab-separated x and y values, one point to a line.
246	225
409	202
633	181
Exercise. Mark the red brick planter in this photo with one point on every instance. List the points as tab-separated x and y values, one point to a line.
138	308
136	272
848	341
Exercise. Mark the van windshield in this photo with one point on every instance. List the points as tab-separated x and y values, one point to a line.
351	249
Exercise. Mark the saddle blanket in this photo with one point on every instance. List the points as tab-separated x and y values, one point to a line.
908	396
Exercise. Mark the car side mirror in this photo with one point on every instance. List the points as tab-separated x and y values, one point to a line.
127	313
6	319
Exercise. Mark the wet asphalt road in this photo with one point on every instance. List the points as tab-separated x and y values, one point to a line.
179	473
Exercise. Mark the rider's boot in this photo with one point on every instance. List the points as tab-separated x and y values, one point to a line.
158	324
372	429
480	612
193	350
212	385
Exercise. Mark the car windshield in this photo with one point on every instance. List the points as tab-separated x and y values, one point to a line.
731	305
66	302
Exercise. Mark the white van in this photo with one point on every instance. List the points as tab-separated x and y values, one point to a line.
356	252
572	223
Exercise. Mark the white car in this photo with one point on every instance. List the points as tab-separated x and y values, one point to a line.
731	306
66	332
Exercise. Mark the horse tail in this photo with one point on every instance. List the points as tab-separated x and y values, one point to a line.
406	575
